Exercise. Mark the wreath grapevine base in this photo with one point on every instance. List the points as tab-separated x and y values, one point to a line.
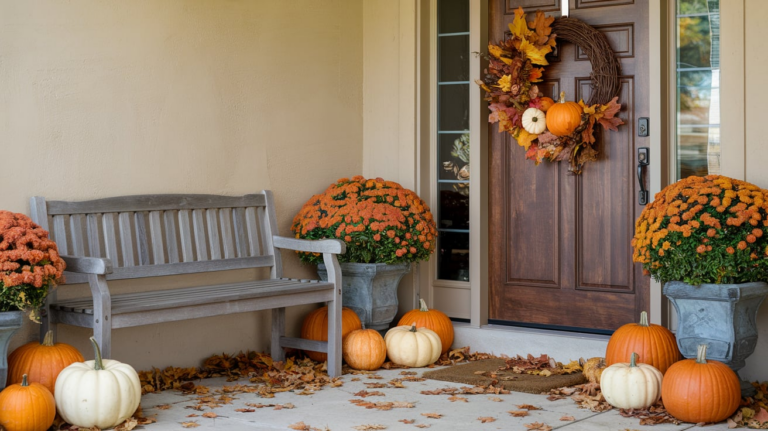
550	130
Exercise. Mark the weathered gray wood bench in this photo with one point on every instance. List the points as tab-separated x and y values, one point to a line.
158	235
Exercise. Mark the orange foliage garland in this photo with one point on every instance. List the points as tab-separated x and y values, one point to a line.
42	362
435	320
654	344
315	327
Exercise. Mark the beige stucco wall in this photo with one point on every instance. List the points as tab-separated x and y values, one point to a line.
744	146
105	98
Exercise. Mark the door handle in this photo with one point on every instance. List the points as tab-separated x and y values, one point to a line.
643	160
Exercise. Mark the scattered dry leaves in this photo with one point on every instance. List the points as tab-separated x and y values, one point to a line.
542	365
301	426
518	413
163	406
528	407
383	405
369	427
486	419
190	424
457	398
538	426
653	415
364	393
432	415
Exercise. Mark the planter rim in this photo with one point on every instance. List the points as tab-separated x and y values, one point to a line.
360	268
13	318
717	292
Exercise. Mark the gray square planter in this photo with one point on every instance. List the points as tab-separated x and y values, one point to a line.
370	289
721	316
10	322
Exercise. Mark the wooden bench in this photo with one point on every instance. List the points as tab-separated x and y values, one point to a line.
158	235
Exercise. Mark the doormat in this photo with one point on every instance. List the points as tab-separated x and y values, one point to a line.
469	374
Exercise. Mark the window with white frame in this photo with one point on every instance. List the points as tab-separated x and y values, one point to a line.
453	139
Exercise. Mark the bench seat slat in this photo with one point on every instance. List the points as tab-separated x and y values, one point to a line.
167	299
154	203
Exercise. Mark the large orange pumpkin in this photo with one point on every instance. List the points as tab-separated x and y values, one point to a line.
26	407
563	118
41	362
315	327
698	390
654	344
431	319
365	349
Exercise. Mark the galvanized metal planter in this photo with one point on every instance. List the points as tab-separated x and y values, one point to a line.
10	322
721	316
370	289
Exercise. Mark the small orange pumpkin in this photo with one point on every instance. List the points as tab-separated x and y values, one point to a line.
41	362
563	118
431	319
364	349
654	344
698	390
546	103
26	407
315	327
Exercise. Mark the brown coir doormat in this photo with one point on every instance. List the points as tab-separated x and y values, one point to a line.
529	383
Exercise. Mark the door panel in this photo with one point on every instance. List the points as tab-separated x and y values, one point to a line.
560	243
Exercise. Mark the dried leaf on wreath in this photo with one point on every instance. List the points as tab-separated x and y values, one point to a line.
541	25
519	27
608	119
535	54
525	139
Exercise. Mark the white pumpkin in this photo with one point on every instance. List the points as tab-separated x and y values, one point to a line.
413	347
534	121
98	393
631	385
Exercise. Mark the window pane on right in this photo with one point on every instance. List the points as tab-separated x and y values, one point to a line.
698	87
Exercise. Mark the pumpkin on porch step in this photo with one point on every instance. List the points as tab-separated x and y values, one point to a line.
364	349
26	407
41	362
701	390
654	344
315	327
631	385
412	346
435	320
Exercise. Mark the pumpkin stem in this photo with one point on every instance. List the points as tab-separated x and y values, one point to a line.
701	354
48	339
562	97
24	382
633	360
644	319
413	327
423	305
98	364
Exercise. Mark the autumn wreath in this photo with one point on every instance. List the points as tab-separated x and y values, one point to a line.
548	129
29	264
705	230
380	221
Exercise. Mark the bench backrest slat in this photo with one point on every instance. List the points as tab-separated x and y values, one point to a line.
156	235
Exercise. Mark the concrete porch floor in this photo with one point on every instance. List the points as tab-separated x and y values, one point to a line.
330	408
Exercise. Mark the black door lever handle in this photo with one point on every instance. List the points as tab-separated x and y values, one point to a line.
643	160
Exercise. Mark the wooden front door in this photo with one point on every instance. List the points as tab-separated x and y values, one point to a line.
560	243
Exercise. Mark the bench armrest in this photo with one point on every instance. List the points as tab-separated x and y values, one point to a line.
88	265
333	246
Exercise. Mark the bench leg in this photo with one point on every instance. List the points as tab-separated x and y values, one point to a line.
102	314
334	338
278	330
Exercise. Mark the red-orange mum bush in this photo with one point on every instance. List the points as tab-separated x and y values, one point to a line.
380	221
705	230
29	264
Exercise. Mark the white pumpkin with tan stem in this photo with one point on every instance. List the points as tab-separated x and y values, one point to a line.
631	385
413	347
100	393
534	121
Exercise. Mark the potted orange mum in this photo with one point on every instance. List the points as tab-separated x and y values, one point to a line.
706	239
385	227
29	266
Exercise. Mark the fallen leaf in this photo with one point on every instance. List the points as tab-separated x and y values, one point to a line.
495	399
432	415
245	410
457	398
518	413
210	415
486	419
528	407
128	425
190	424
163	406
538	426
422	426
407	421
567	418
193	415
369	427
365	393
